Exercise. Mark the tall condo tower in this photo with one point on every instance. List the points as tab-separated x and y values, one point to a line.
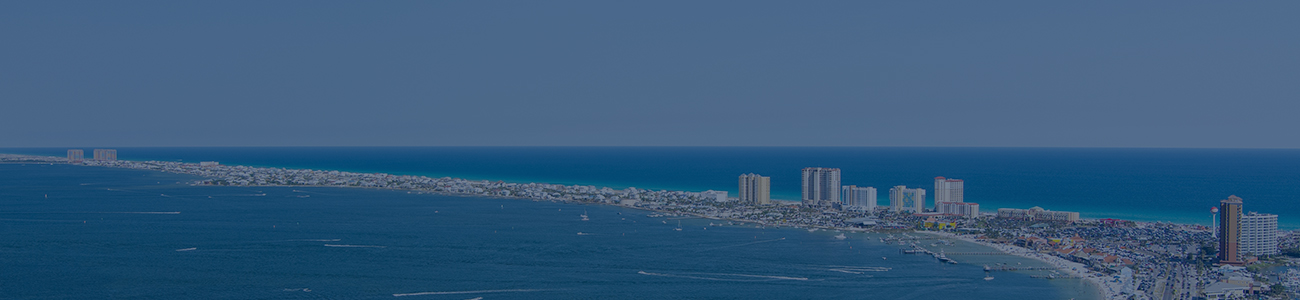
863	198
948	190
902	198
755	189
1259	234
76	155
821	186
105	154
1230	230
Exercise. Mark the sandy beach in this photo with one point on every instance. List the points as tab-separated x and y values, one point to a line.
1108	289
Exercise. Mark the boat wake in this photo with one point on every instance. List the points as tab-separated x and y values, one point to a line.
354	246
468	292
186	249
725	276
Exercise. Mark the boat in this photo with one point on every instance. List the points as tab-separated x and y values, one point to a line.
987	278
584	215
841	236
679	226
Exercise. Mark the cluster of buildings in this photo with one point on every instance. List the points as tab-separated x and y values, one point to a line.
1241	234
78	155
821	187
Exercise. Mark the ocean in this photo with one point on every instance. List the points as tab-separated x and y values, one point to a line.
1169	185
77	232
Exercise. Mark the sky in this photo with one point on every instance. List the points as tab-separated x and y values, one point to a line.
1205	74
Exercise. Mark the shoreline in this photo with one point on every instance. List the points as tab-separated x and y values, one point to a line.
1105	288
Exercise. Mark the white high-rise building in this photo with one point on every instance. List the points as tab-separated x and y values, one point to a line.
902	198
858	198
755	189
821	186
948	190
1258	234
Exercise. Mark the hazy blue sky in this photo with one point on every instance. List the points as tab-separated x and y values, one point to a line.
691	73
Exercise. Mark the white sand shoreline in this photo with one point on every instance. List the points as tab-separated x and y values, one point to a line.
1105	288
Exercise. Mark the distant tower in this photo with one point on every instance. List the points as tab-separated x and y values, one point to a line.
821	186
755	189
76	155
949	190
902	198
106	154
860	197
1230	230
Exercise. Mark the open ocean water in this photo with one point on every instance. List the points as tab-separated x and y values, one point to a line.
1172	185
75	232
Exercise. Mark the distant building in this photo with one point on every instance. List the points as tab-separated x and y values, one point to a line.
716	196
1259	234
76	155
209	164
106	154
902	198
1230	230
755	189
1037	213
965	209
858	198
948	190
821	186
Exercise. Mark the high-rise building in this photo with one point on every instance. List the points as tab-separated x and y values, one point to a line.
755	189
105	154
859	198
965	209
76	155
1230	230
821	186
1259	234
1038	213
902	198
948	190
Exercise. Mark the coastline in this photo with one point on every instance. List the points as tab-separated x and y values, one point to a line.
1105	288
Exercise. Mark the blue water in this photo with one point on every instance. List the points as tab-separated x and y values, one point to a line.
75	232
1176	185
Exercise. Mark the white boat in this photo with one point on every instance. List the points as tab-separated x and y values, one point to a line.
841	236
584	216
679	226
986	278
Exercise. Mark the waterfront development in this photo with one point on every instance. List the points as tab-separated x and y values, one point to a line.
1122	259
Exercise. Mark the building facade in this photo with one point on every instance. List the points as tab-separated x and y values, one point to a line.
948	190
1258	234
821	186
858	198
902	198
106	154
1230	230
1038	213
755	189
76	155
965	209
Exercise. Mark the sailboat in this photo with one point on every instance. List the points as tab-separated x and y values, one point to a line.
584	216
679	226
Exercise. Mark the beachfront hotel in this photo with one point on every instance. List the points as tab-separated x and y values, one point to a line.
1258	234
76	155
1230	230
964	209
948	190
858	198
755	189
106	154
821	186
1037	213
902	198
